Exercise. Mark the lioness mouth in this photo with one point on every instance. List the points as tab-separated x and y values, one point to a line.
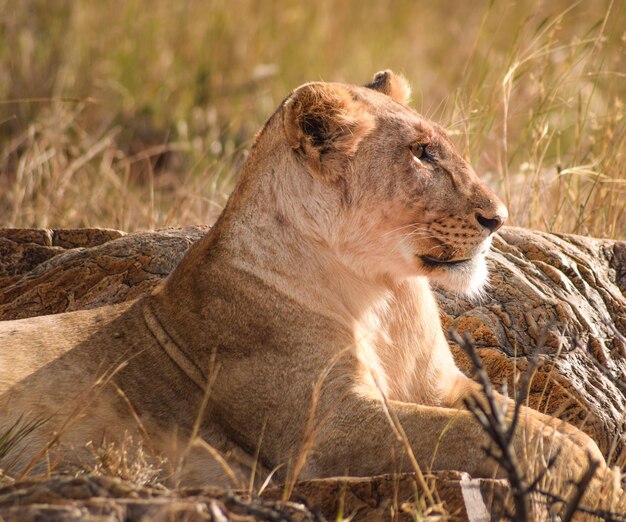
434	263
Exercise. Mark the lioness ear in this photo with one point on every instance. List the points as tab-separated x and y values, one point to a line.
391	84
325	124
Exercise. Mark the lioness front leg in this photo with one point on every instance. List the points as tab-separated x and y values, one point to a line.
466	389
359	440
359	437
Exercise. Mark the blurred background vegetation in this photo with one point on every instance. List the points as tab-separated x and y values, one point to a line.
137	113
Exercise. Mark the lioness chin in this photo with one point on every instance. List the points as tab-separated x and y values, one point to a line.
306	304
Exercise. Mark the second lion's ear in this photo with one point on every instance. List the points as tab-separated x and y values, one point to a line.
324	124
391	84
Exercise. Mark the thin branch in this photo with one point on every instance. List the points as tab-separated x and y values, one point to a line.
493	421
492	418
607	516
574	503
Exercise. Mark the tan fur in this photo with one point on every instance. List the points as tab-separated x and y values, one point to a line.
393	85
311	289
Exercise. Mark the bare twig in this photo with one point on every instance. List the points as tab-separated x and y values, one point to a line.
602	514
493	419
574	502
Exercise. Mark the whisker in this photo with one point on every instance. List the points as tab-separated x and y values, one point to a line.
411	226
422	237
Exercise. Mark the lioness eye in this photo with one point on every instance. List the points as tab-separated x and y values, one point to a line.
419	151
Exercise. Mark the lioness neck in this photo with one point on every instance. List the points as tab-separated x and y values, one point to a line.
394	325
282	232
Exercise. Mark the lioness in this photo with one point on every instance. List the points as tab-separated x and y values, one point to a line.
303	321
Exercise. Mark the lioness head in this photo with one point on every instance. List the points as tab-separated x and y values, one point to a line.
398	199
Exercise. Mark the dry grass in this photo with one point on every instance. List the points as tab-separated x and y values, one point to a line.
137	115
126	460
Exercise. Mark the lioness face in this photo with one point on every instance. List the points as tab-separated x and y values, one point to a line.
411	205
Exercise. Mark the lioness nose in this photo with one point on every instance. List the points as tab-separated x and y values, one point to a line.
494	221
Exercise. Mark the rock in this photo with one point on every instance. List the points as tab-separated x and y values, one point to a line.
22	249
52	271
393	497
370	499
562	298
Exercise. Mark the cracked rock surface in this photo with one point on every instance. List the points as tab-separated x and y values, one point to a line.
40	274
560	297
